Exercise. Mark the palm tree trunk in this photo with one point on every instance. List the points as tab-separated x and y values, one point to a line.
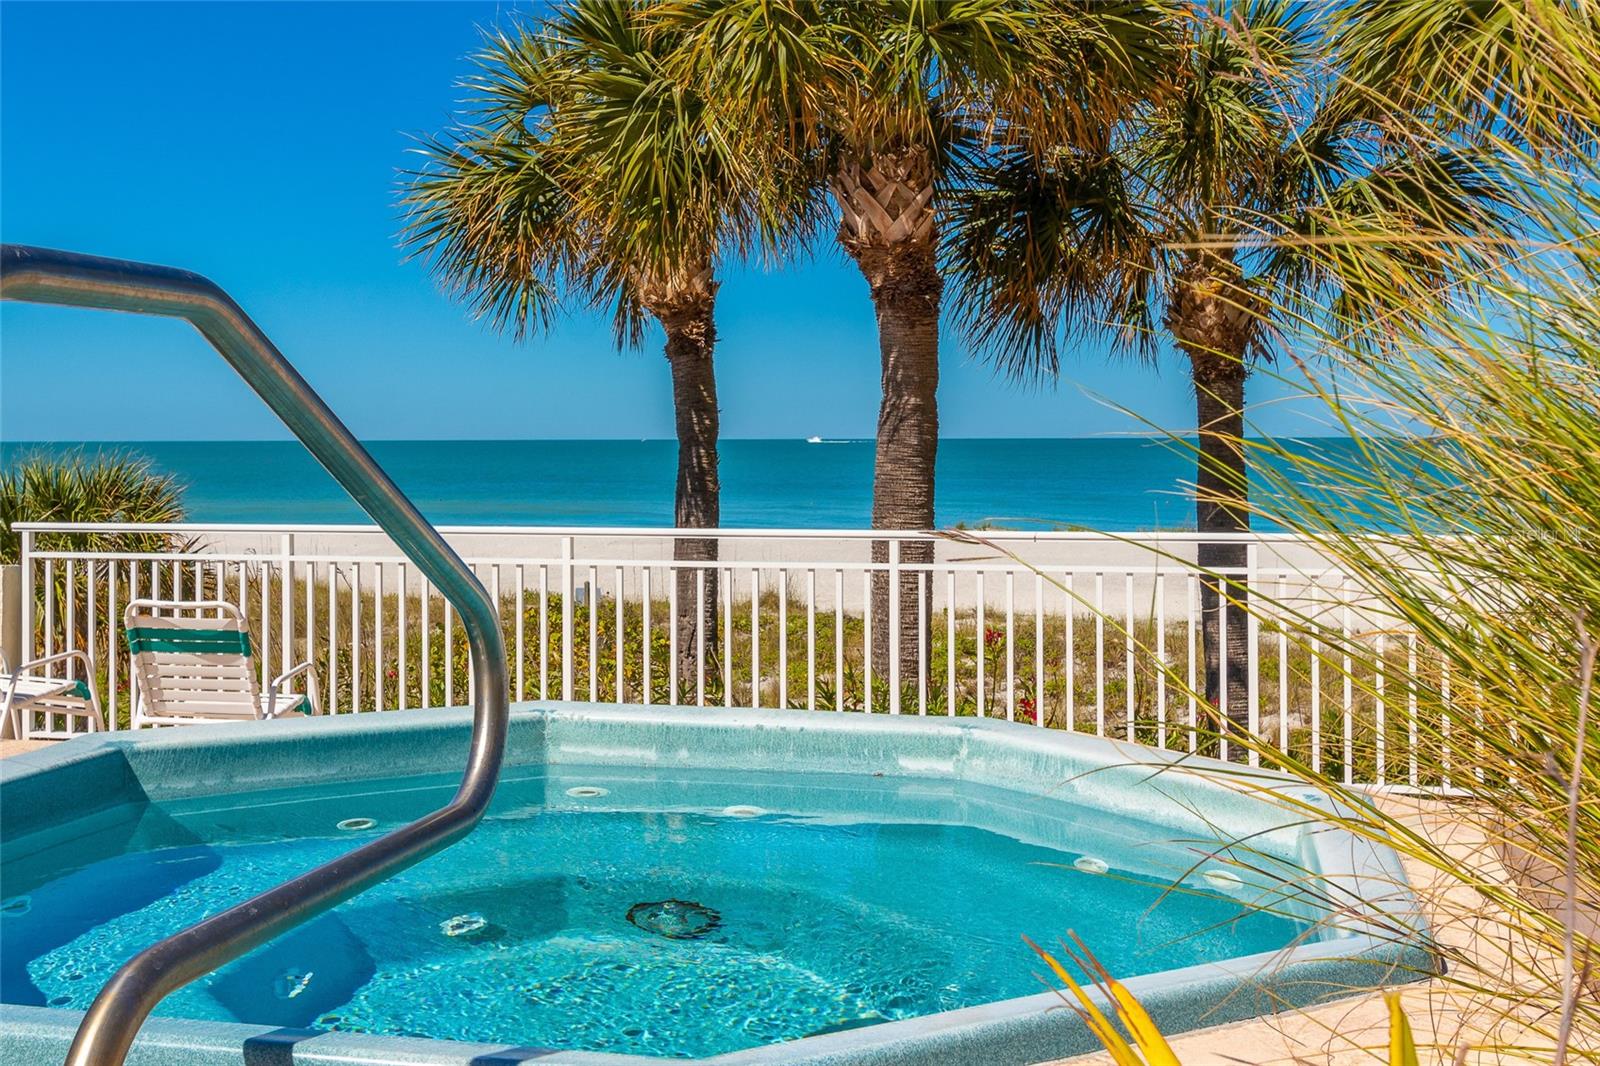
906	287
888	227
1212	315
691	336
1221	507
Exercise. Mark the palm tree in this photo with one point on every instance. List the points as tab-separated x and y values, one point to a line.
76	487
588	170
79	487
887	103
1259	189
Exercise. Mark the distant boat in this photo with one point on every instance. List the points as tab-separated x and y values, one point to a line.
813	440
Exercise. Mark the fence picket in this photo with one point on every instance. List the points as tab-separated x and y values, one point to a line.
282	588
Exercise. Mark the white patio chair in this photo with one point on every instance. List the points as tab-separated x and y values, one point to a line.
192	662
31	693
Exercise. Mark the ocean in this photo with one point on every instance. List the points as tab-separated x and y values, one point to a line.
1103	483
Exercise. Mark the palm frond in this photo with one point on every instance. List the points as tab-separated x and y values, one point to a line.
592	162
1036	250
1520	67
1391	242
493	225
113	486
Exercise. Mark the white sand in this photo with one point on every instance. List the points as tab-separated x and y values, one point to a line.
1116	570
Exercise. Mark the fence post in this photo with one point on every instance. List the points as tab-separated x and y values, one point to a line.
25	630
567	608
893	622
286	603
1253	622
11	613
16	622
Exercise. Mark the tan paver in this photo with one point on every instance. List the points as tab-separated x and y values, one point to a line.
1443	1015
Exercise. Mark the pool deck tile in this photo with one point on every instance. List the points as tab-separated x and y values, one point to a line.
1443	1016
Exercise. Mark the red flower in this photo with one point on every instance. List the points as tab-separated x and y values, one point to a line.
1026	709
991	637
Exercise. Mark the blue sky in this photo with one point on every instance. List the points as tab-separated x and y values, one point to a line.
260	144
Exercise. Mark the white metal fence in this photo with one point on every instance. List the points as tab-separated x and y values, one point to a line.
1094	632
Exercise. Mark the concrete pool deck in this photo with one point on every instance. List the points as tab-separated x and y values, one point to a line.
1444	1016
882	736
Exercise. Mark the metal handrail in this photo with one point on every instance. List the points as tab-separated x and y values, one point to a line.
41	275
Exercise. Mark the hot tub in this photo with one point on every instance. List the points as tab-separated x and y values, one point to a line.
718	886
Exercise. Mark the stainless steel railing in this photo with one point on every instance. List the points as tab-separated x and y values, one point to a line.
42	275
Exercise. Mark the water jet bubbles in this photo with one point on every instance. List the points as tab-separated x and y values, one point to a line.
471	927
356	825
16	906
1090	865
463	925
290	983
740	810
587	792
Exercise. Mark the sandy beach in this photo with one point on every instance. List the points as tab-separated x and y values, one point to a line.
1112	570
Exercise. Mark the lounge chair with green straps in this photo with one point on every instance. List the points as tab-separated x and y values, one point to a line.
40	705
192	663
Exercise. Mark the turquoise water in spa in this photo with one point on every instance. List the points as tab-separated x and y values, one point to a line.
622	910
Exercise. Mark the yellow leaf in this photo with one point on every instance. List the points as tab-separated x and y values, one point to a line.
1098	1023
1157	1051
1402	1048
